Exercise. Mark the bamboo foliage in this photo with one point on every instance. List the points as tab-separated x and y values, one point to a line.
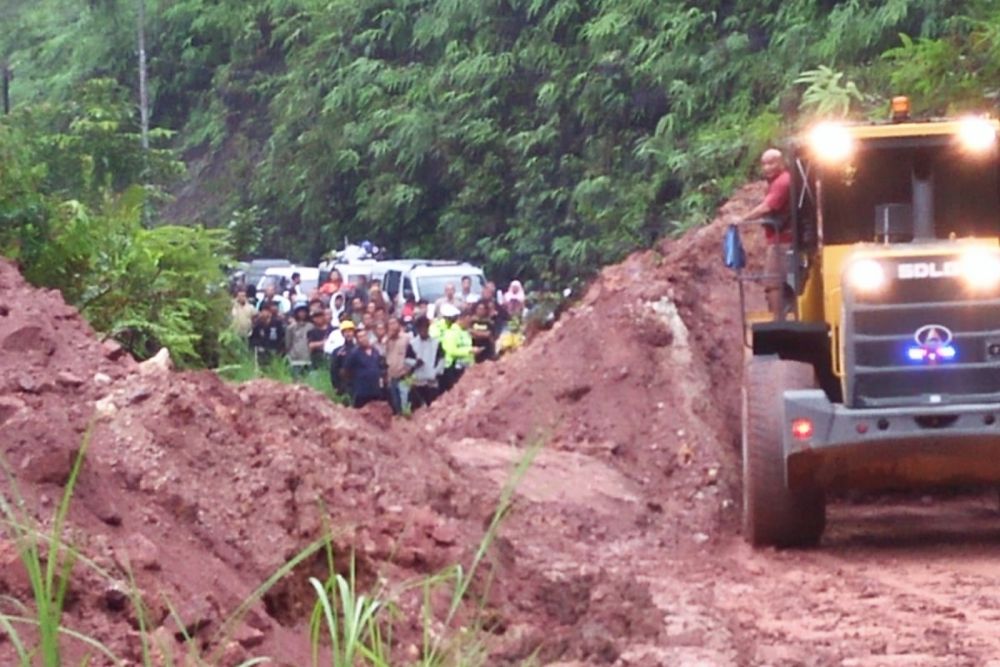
539	137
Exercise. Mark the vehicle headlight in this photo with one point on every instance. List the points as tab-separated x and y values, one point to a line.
980	269
866	275
977	135
831	142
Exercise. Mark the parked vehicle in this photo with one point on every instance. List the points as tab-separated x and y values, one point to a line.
281	278
349	271
256	268
426	279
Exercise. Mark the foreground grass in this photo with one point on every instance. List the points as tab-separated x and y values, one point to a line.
348	627
49	576
242	366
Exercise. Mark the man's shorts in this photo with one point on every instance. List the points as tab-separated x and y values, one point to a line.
776	265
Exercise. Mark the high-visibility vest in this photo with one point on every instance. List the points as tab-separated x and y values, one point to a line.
438	327
457	345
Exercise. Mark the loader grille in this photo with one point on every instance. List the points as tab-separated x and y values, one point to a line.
881	333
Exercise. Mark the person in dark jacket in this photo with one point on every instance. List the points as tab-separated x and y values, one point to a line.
267	338
317	338
365	369
481	328
337	360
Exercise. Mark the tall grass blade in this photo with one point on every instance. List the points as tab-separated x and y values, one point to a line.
73	634
323	600
229	625
50	583
135	597
15	639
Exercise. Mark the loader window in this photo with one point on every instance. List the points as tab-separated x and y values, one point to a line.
966	192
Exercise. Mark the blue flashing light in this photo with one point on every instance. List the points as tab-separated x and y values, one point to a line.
931	354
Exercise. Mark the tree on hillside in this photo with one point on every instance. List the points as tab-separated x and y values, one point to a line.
70	215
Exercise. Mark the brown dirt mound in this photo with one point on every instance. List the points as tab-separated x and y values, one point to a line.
635	394
643	374
203	489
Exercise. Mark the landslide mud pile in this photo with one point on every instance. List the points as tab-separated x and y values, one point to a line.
201	490
644	374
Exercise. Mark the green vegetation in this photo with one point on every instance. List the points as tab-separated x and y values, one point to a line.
74	189
48	572
352	629
238	364
542	138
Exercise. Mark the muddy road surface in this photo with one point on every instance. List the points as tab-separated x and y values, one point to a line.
897	580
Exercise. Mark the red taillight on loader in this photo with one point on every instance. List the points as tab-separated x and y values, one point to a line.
802	429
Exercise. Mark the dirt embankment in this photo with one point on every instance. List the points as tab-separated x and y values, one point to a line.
201	489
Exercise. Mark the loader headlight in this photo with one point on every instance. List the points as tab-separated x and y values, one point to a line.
866	275
977	135
831	142
980	269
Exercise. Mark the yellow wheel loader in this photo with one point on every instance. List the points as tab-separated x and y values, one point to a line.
886	371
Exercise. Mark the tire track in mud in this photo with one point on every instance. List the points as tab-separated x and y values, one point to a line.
896	593
898	582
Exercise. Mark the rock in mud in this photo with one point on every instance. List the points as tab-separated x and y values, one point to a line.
138	553
28	339
112	350
27	384
138	395
249	637
105	407
9	406
68	379
48	465
195	614
158	363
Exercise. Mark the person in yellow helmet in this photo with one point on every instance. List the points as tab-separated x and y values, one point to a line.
339	356
456	341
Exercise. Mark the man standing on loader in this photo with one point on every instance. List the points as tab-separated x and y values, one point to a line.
774	214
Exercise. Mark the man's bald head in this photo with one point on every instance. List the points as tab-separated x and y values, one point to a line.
772	163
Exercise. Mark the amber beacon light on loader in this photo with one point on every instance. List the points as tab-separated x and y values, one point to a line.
885	373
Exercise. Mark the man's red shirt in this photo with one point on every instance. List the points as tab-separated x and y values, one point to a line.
778	194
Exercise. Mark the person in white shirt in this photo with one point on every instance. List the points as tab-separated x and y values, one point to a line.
425	359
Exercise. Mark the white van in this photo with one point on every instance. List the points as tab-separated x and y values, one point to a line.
349	271
426	280
258	267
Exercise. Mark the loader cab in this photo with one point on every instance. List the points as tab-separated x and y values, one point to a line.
898	184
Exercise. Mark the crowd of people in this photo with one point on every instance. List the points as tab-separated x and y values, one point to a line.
377	350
